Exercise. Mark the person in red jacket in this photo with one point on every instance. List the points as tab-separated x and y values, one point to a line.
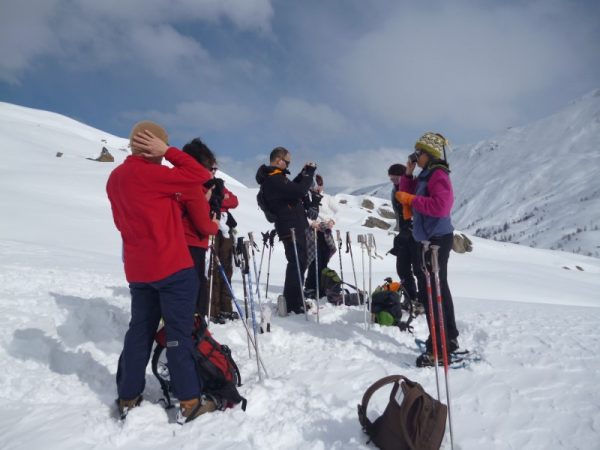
143	196
199	224
221	202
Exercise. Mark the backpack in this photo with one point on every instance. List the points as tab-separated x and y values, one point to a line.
386	303
332	284
412	418
461	243
218	374
330	279
262	204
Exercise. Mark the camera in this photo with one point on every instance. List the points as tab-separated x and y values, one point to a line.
413	157
216	199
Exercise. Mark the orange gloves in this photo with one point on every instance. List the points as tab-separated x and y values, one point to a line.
406	199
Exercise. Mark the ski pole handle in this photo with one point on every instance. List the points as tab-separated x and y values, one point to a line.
293	233
338	236
434	258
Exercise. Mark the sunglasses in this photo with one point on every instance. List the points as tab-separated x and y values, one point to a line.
214	169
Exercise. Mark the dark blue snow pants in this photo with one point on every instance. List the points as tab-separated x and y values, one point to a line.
174	299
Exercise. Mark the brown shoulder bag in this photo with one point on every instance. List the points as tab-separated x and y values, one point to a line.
418	422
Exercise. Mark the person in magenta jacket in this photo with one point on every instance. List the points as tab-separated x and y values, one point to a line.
143	196
429	197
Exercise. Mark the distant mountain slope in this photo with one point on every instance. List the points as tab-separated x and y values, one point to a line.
535	185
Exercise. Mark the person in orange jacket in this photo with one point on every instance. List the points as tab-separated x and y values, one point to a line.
143	196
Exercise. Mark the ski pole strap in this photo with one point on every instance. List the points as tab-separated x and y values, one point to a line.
366	424
347	242
251	239
272	235
265	237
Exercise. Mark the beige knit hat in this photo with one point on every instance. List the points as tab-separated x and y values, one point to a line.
153	128
433	144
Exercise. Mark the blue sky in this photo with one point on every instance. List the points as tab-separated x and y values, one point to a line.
350	83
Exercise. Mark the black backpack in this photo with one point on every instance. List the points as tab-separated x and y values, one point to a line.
218	372
412	419
336	294
262	204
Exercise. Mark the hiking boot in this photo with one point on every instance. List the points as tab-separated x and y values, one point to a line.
452	345
418	308
126	405
231	315
427	360
190	409
218	319
310	293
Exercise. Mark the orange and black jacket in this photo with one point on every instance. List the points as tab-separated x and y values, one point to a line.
284	197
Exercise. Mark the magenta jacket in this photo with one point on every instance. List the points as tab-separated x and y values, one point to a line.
432	204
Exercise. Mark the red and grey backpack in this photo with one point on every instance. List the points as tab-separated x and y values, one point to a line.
218	372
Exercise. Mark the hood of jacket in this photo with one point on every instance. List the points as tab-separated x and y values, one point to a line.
265	171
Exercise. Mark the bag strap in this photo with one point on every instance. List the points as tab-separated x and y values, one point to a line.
362	408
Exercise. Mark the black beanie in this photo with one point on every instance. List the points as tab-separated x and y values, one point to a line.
397	169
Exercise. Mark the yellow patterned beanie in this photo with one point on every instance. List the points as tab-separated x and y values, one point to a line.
433	144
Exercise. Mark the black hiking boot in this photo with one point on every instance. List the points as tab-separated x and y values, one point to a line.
427	360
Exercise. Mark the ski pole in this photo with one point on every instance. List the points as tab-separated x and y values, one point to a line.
253	246
432	331
239	262
271	243
339	240
252	309
210	276
361	238
293	231
436	275
370	246
265	237
349	250
317	295
239	309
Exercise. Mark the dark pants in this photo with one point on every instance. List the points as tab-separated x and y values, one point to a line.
173	298
407	252
323	256
293	285
445	243
199	257
221	297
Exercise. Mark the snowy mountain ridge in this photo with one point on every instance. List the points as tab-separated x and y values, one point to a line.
535	184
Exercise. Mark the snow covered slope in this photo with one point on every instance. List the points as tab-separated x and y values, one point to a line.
532	314
535	185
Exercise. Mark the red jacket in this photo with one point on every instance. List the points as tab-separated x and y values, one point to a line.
197	223
143	197
229	203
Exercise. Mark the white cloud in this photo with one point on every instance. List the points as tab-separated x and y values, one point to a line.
25	33
197	117
95	33
309	122
453	63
